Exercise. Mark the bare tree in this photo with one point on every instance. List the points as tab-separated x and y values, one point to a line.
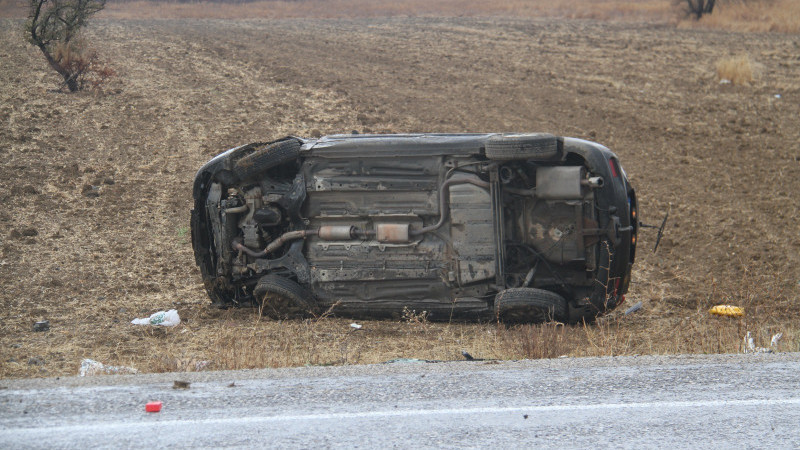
697	8
53	26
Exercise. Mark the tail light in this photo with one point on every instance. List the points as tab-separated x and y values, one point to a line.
614	165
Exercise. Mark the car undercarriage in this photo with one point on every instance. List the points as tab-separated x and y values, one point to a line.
520	227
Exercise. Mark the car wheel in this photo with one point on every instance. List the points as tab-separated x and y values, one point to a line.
267	157
513	147
529	305
282	298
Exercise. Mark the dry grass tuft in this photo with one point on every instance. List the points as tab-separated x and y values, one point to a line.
738	70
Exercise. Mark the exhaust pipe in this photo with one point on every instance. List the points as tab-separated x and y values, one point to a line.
593	182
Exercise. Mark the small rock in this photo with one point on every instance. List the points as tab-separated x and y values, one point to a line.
633	308
35	361
72	170
109	181
90	191
43	325
181	384
24	232
24	190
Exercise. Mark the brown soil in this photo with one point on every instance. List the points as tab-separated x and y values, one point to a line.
96	186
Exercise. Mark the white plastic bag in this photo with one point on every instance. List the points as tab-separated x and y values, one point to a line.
91	367
164	318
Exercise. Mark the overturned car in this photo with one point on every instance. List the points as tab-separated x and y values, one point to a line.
519	227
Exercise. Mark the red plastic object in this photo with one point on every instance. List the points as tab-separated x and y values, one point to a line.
153	407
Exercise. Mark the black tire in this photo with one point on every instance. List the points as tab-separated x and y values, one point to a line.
267	157
518	305
282	298
515	147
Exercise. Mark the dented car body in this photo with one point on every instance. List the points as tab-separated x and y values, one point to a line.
521	227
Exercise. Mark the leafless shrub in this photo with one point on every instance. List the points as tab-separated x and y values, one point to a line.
697	8
54	27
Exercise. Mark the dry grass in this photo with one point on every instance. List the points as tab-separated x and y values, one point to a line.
738	70
210	339
239	339
243	340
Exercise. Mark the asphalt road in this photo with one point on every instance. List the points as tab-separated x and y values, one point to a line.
686	401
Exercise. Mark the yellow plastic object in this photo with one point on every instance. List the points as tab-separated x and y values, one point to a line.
727	310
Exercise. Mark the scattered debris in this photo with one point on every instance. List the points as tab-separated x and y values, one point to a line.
42	325
181	384
35	361
153	406
778	96
727	310
724	81
635	307
91	191
410	360
750	347
90	367
355	325
164	318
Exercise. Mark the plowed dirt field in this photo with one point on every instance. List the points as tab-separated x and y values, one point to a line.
95	187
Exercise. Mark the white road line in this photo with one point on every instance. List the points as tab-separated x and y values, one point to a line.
531	409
